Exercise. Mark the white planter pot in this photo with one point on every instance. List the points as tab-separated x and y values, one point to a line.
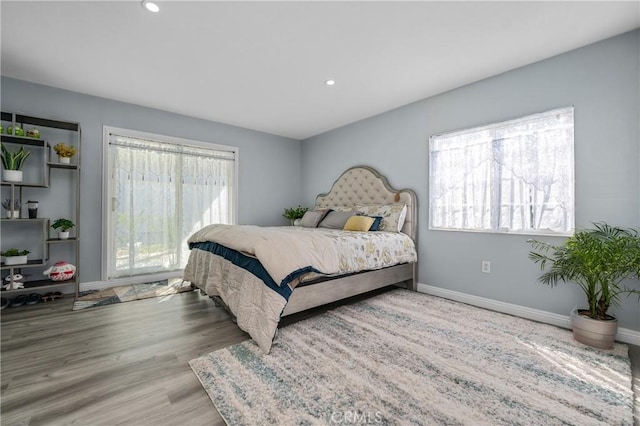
12	175
13	214
15	260
63	235
64	160
598	333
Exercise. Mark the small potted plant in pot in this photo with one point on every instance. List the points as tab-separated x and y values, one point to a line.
65	152
15	256
295	213
13	209
12	161
63	225
598	260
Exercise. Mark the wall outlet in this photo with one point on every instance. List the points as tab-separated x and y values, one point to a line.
486	267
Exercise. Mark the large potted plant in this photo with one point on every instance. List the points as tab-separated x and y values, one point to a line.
598	260
12	161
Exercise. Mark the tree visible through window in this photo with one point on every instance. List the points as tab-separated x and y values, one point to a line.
161	192
514	176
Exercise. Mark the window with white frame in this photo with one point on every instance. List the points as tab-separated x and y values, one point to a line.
513	176
160	190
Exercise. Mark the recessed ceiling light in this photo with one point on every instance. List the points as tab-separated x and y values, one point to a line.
150	6
330	82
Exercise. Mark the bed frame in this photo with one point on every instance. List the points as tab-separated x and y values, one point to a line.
361	184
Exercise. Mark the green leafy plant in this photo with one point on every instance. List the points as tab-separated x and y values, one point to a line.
597	259
63	224
64	150
15	252
14	160
295	212
6	204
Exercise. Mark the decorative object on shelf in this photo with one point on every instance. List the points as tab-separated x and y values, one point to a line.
33	133
15	256
598	260
32	208
14	282
12	161
295	213
65	152
61	271
13	209
15	130
63	225
13	286
1	129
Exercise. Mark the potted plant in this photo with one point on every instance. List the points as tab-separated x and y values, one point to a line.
65	152
15	130
295	213
12	161
13	209
15	256
63	225
598	260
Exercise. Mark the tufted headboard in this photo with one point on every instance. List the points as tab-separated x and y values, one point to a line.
363	184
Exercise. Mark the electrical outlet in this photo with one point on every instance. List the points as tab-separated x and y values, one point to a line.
486	267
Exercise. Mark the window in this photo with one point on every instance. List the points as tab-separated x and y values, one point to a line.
514	176
159	190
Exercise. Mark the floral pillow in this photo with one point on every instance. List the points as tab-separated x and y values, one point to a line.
393	215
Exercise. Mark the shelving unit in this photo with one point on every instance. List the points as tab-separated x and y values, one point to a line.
58	194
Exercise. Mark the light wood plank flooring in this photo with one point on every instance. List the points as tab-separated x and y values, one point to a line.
123	364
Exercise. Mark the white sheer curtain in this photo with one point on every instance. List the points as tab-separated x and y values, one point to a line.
514	176
160	194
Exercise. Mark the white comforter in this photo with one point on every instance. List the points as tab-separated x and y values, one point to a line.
284	250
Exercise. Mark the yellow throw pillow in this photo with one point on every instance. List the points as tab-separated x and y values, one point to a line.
358	223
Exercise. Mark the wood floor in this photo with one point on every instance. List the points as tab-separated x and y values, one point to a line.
123	364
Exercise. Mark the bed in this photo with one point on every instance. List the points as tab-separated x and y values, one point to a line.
247	269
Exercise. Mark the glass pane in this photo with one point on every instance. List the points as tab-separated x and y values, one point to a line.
510	176
160	197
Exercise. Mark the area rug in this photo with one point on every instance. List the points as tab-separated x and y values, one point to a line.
128	293
409	358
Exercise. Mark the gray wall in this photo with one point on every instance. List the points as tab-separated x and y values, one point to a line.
269	168
602	81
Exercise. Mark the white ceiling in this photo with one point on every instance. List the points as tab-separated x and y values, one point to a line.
262	65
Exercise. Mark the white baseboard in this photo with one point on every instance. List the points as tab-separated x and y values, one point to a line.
102	285
625	335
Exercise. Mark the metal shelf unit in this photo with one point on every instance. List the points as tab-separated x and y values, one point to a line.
46	245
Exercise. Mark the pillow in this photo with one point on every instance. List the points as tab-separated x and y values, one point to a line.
377	220
339	208
393	215
359	223
311	219
335	220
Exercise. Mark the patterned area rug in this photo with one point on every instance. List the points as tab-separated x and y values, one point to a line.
127	293
409	358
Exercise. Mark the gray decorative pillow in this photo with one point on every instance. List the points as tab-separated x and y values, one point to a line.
335	220
311	219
